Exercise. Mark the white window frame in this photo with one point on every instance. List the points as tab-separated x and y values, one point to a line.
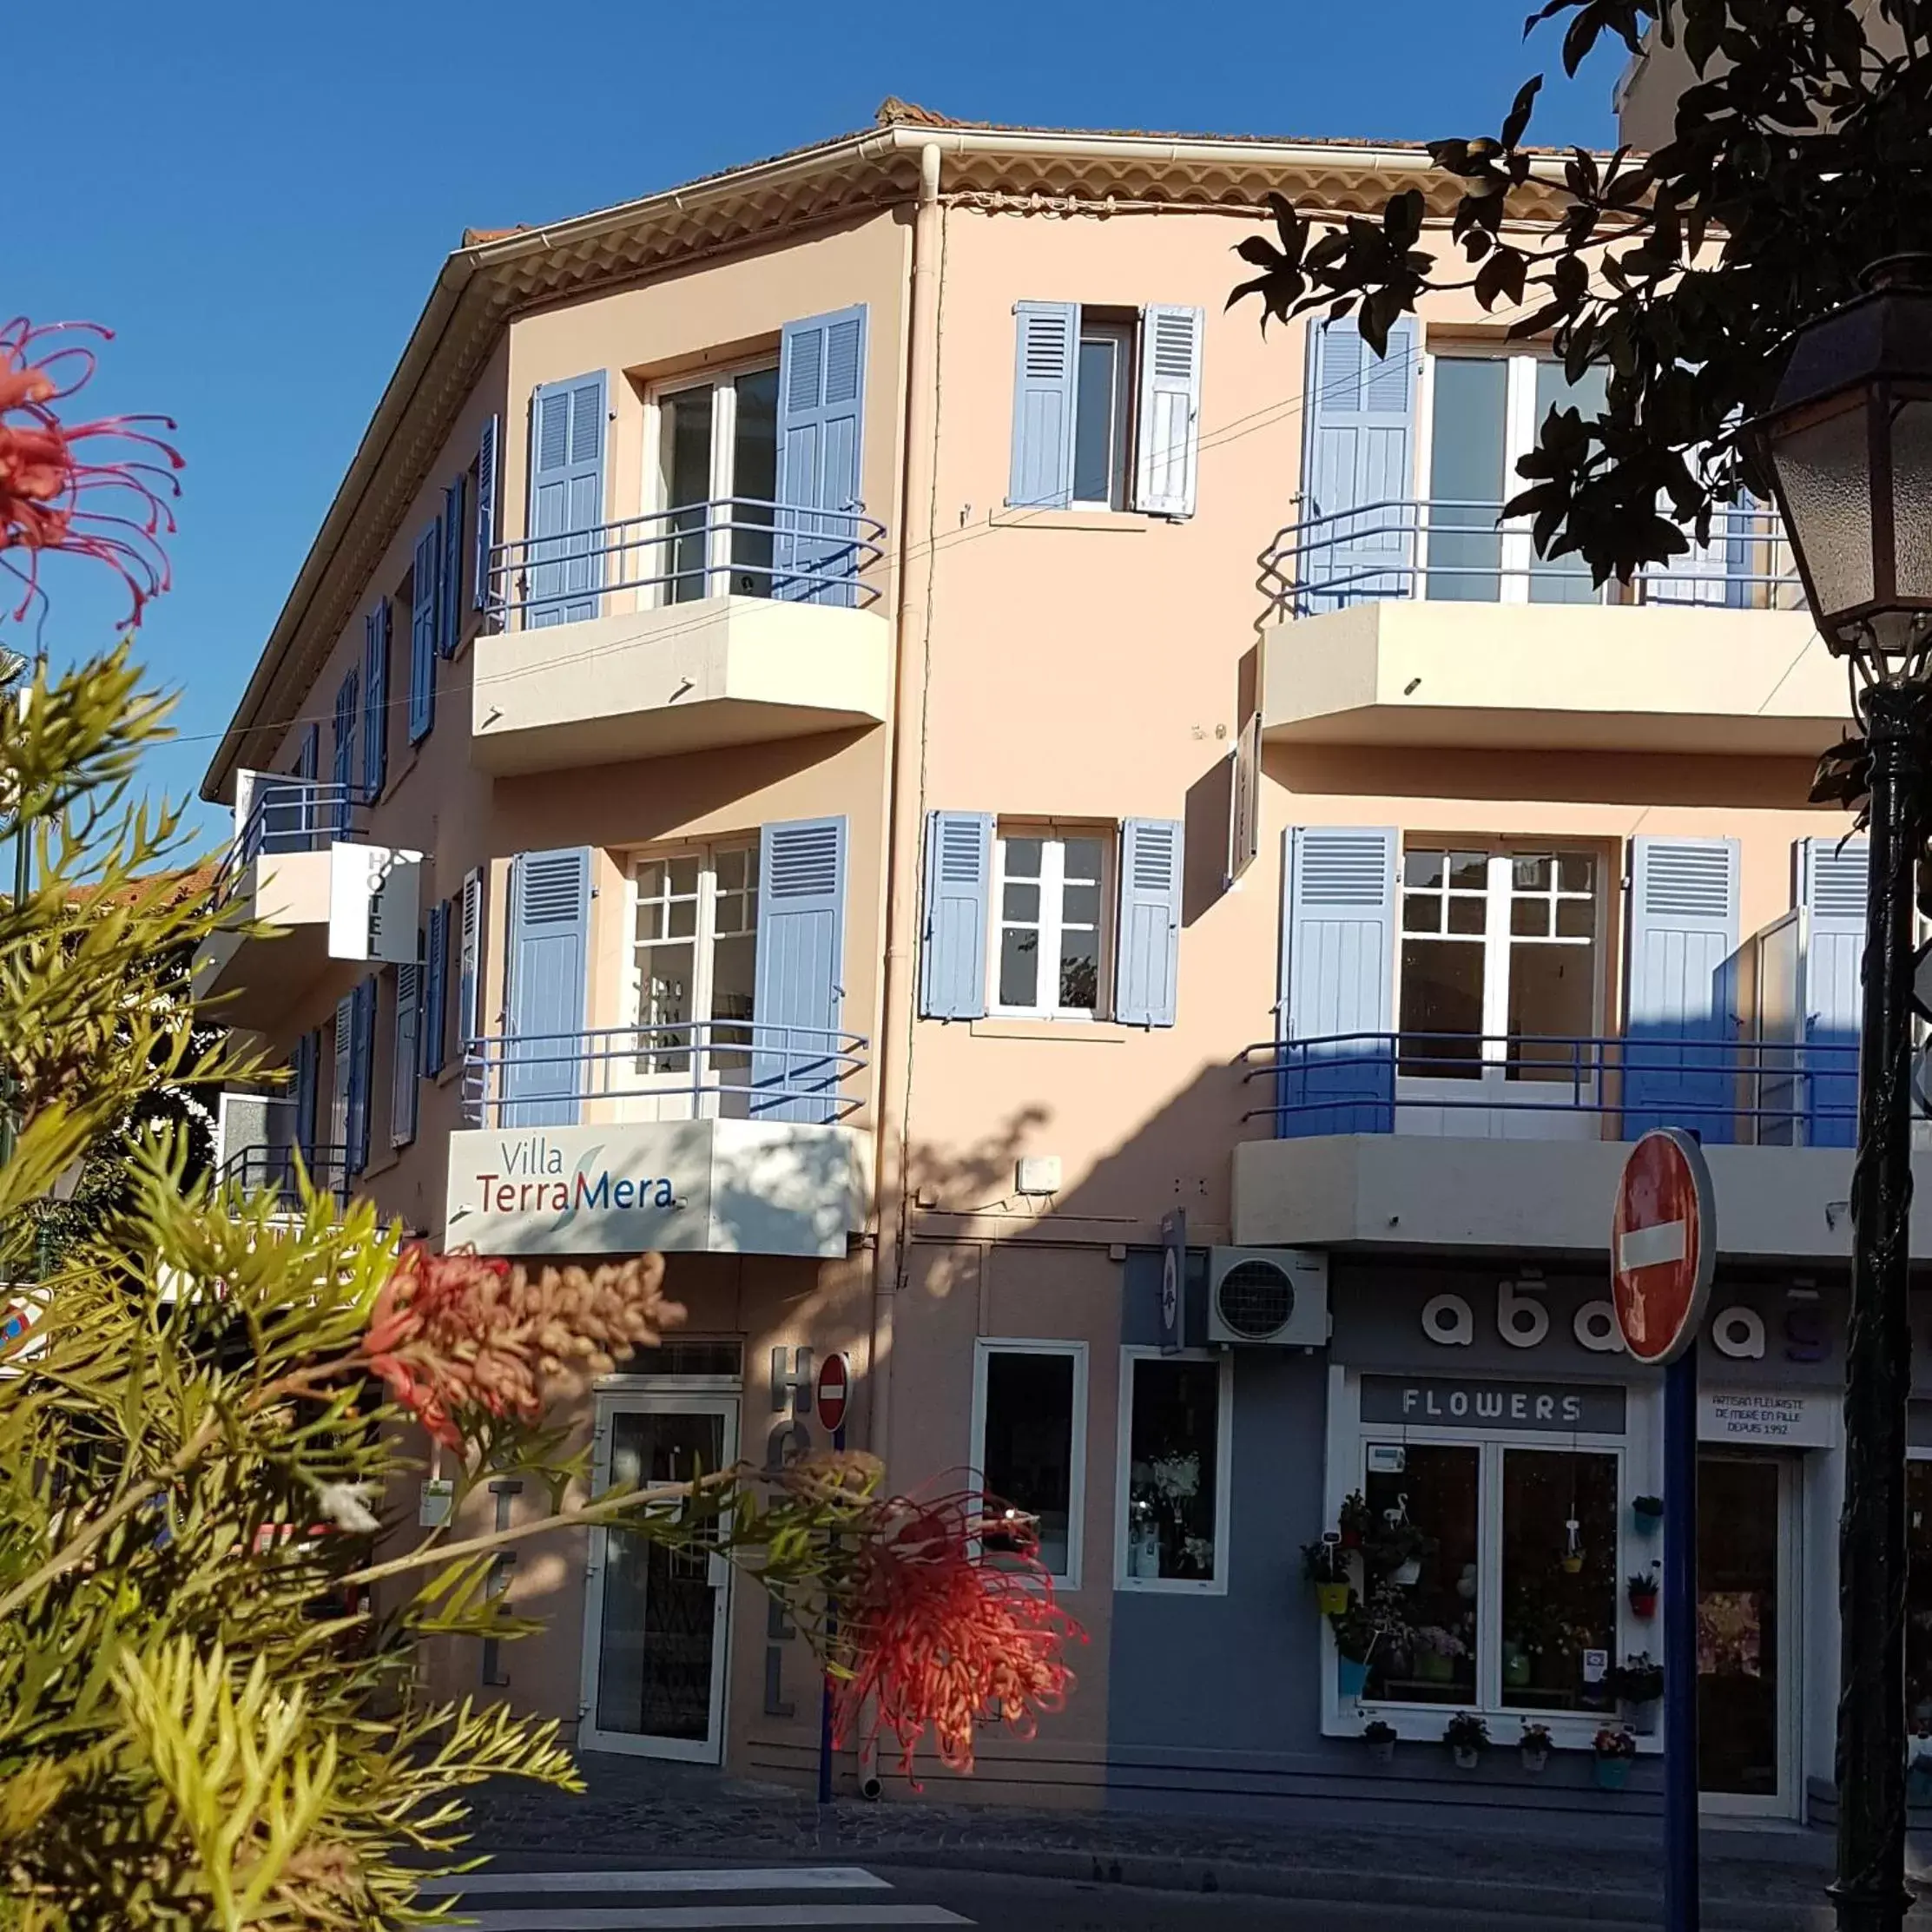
1120	471
1132	1354
1053	836
705	925
722	382
984	1348
1638	1452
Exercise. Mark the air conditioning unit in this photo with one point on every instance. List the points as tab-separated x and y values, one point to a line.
1268	1297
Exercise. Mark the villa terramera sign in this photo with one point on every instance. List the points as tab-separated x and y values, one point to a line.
704	1186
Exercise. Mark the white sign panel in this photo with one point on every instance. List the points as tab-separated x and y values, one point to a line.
1773	1418
375	896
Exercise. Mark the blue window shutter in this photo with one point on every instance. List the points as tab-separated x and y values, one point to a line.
798	976
1337	981
1831	880
1169	416
821	383
1358	452
566	500
425	584
482	594
1679	1067
404	1069
1045	358
344	1057
375	701
449	592
342	750
953	949
436	973
308	759
549	964
469	1000
308	1054
362	1047
1147	957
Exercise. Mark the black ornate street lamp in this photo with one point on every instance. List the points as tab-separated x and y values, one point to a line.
1848	445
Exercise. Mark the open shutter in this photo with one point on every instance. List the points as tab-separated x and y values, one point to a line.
1045	356
549	964
1147	957
1170	409
1679	1060
308	757
436	973
375	702
482	589
1830	887
1334	1022
822	366
468	996
404	1068
339	1092
953	950
449	591
799	974
566	500
343	751
308	1054
424	585
1358	454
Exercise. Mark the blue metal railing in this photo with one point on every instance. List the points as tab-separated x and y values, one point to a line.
741	546
1773	1093
683	1069
1455	552
277	1170
288	814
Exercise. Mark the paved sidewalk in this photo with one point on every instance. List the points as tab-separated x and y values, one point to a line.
1767	1880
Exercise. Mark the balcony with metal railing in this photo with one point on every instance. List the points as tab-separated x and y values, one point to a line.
722	622
282	1170
712	1136
1420	622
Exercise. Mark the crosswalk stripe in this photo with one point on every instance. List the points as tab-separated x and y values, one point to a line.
751	1878
705	1918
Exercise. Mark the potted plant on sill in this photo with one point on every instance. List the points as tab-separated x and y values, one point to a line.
1534	1744
1615	1749
1639	1688
1647	1515
1467	1736
1326	1568
1399	1550
1643	1592
1380	1736
1356	1522
1356	1632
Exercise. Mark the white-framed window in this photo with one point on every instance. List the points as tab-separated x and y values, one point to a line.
1502	961
694	924
1102	386
712	448
1051	888
1174	1471
1030	1441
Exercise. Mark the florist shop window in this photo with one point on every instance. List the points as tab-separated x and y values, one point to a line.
1175	1419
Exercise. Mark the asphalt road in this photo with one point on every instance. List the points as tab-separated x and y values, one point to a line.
854	1898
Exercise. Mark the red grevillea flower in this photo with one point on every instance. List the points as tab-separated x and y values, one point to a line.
944	1635
98	490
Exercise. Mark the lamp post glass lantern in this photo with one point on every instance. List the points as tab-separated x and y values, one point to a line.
1847	444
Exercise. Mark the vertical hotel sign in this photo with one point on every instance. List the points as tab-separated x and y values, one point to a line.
1174	1282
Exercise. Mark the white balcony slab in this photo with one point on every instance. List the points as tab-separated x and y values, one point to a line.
690	677
722	1187
1554	1196
1577	677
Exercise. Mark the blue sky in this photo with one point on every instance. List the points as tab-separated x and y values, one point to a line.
257	197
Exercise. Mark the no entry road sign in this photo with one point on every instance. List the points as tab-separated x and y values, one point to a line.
835	1385
1663	1245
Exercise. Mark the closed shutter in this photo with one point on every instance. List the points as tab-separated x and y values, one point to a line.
1045	358
308	758
1169	410
308	1054
822	366
1147	957
799	973
566	500
953	948
483	588
1830	887
1679	1062
1337	981
549	957
422	633
362	1074
448	593
436	995
1358	454
339	1092
469	997
375	702
343	751
404	1068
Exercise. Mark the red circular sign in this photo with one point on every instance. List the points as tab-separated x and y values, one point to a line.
834	1384
1663	1245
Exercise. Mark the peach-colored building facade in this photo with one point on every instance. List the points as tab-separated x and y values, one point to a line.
950	750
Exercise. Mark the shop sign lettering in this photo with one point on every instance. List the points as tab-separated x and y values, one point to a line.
1775	1417
533	1180
1441	1401
1523	1322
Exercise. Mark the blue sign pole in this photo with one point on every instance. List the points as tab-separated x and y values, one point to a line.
1680	1642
